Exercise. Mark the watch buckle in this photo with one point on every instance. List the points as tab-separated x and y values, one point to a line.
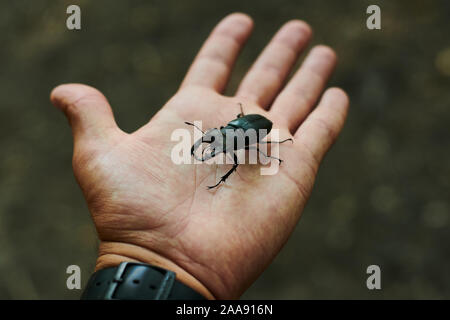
163	291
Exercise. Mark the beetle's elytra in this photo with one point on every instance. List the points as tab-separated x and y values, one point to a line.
239	126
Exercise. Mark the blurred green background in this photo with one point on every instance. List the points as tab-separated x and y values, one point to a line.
382	195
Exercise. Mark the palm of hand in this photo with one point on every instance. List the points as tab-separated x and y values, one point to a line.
223	237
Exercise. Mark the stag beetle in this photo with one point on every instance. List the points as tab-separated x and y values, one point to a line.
239	126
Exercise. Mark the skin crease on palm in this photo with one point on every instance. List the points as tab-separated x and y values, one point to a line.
146	208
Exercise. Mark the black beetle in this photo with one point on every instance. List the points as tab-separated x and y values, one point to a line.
239	126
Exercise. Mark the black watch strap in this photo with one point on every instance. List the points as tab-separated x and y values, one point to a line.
137	281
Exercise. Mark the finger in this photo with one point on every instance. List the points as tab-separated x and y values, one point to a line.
87	110
301	93
267	75
321	128
212	66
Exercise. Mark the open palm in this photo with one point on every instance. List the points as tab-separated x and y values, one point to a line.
147	208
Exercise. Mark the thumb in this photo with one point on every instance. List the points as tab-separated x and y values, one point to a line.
87	110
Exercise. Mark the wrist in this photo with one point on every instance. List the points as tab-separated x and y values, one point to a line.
111	254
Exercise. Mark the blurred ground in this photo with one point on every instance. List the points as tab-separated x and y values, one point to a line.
380	198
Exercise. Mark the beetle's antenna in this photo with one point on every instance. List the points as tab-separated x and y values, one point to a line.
242	110
191	124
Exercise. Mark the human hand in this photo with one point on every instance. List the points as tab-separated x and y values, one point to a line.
146	208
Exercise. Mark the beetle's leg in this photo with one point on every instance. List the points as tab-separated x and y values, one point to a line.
277	141
264	154
235	165
242	111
